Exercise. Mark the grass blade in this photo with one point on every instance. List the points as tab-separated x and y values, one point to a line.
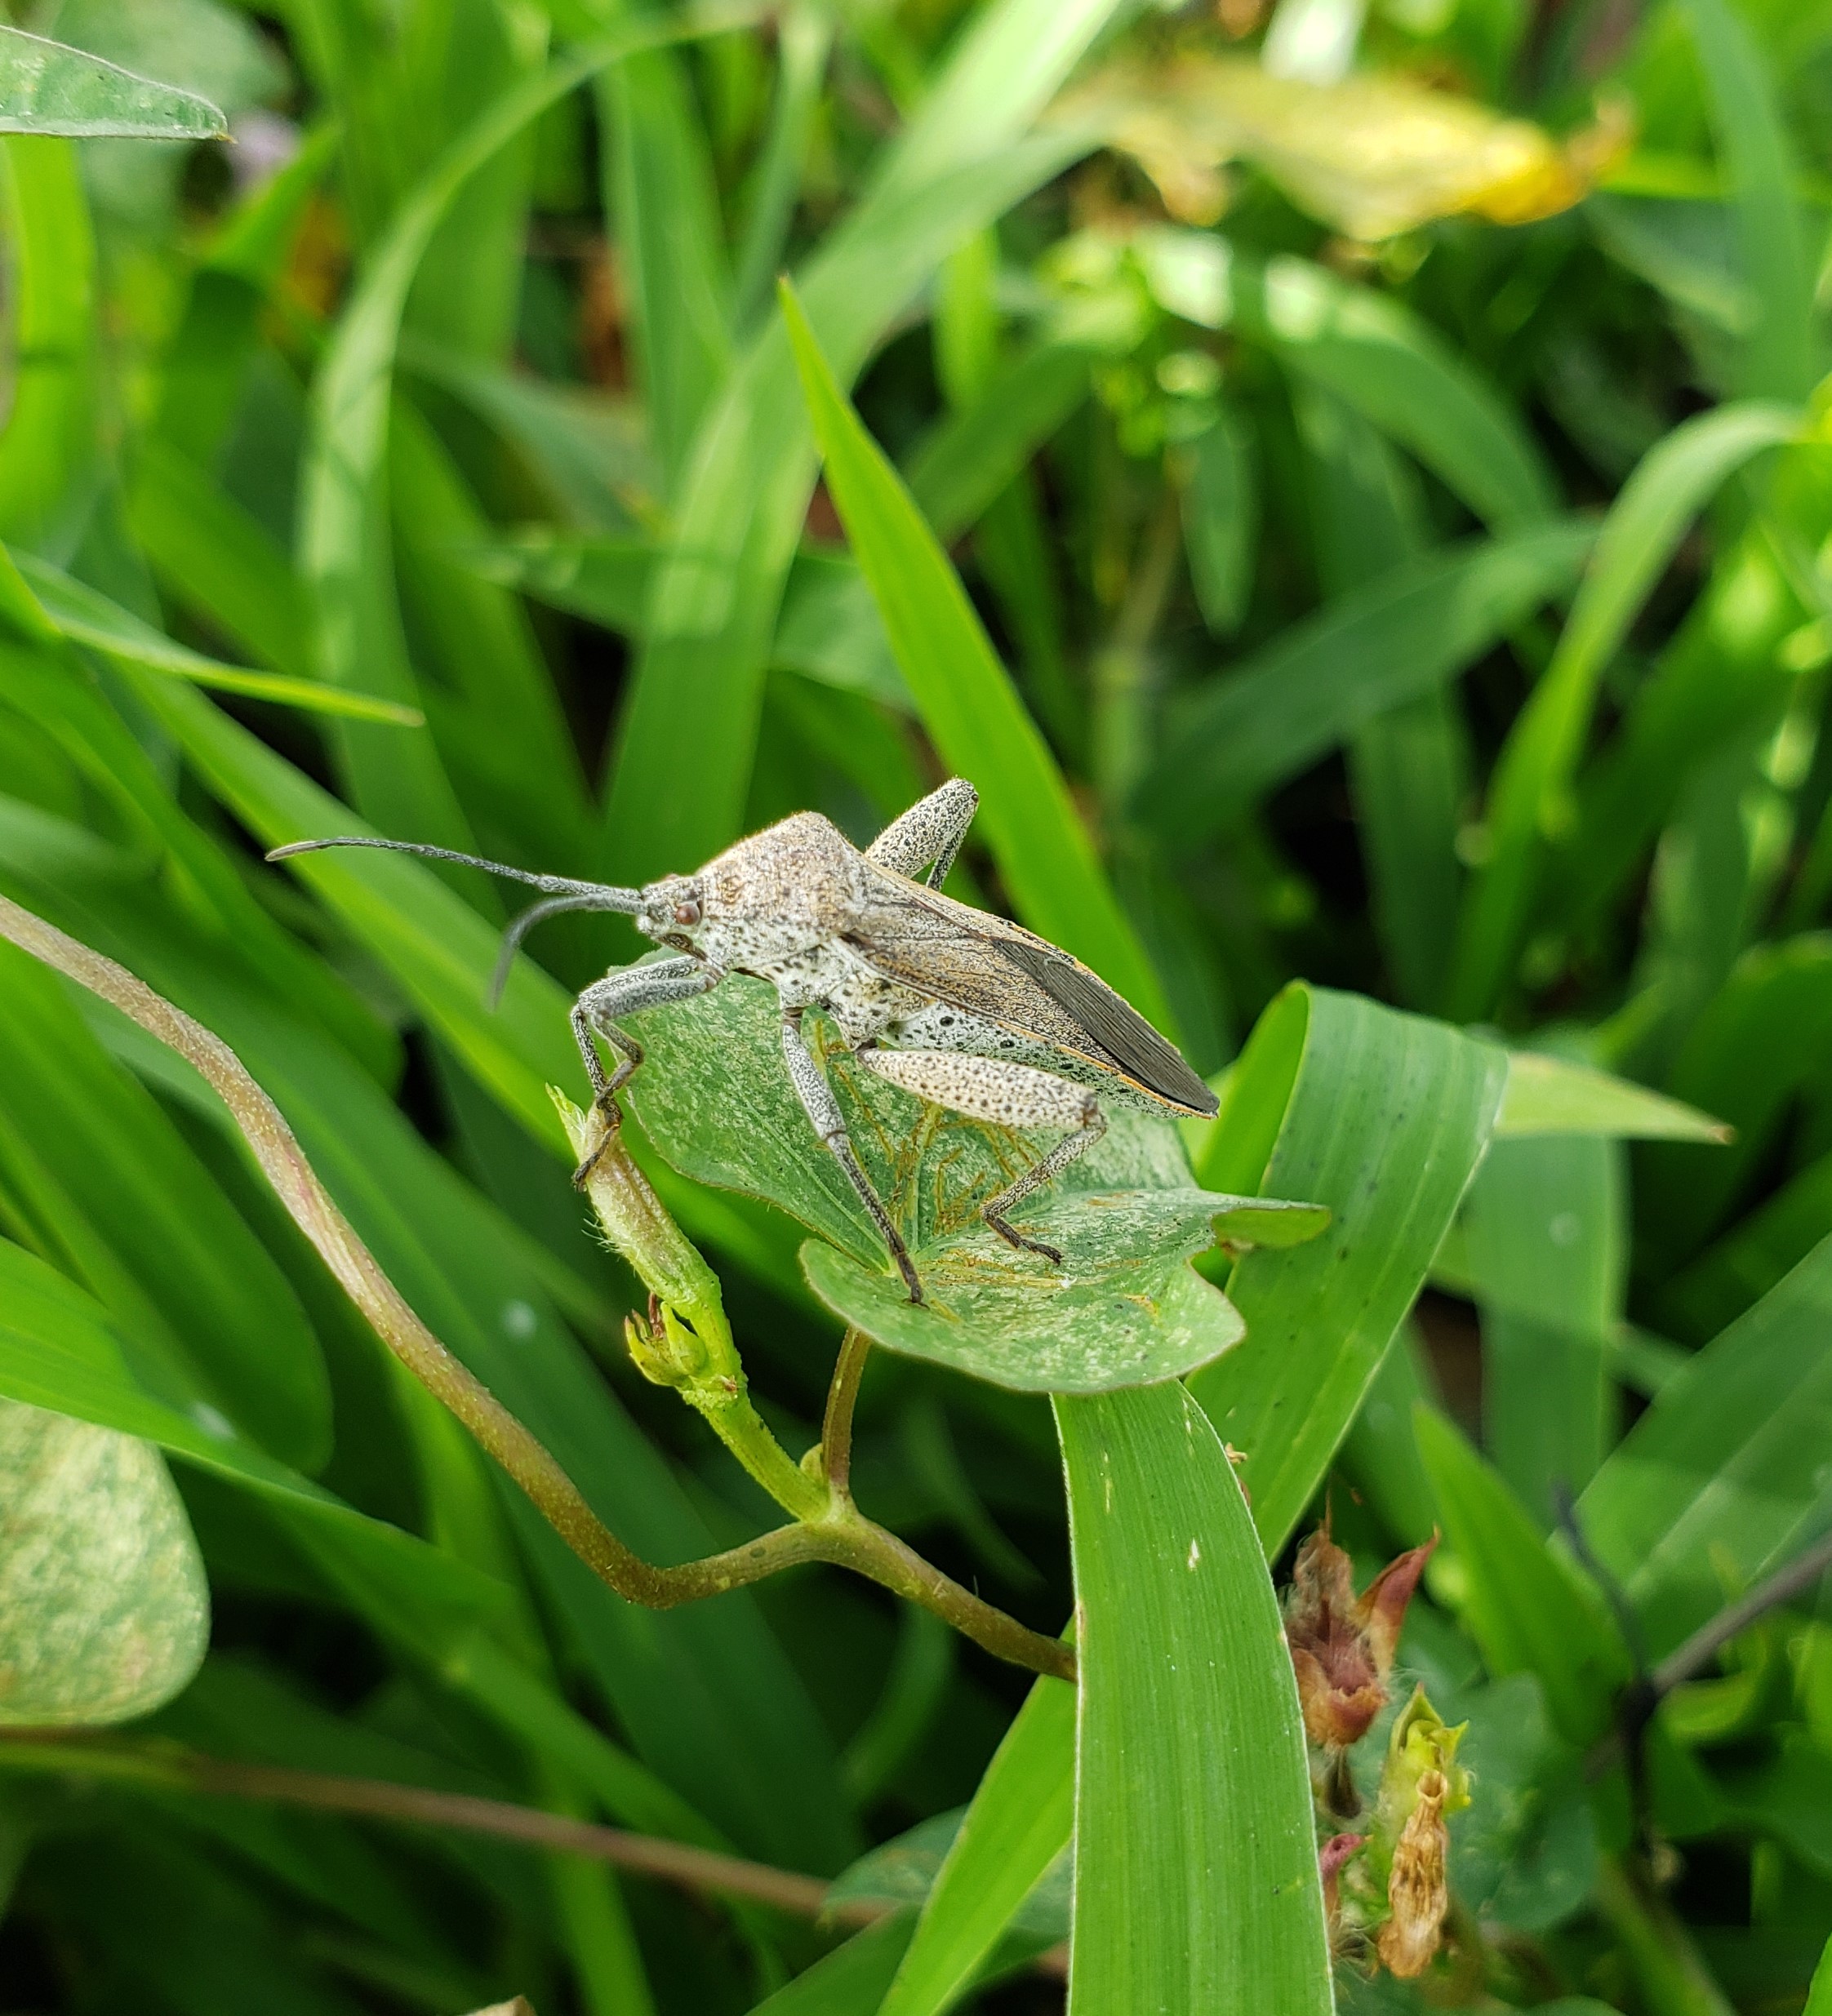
1188	1725
1530	793
1263	721
1779	359
84	616
1383	1118
1021	1820
965	697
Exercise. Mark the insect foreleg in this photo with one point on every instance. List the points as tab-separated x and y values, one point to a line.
1011	1095
628	993
929	834
823	1109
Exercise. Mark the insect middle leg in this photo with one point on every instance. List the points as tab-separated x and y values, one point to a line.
1012	1095
823	1109
627	993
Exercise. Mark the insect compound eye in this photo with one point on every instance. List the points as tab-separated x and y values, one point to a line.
687	914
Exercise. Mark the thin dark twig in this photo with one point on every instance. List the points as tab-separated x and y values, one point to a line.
1709	1639
842	1396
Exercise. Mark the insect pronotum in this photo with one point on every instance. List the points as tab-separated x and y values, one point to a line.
957	1006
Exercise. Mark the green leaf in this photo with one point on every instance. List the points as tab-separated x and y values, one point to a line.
1397	371
1526	1609
1547	1095
1724	1476
1296	698
1819	1996
849	1981
47	88
967	703
1779	359
1124	1308
50	442
1545	1240
1196	1885
84	616
1221	520
105	1613
1019	1822
102	1177
1529	796
1383	1118
58	1351
659	188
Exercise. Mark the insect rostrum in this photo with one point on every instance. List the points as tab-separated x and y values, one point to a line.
956	1005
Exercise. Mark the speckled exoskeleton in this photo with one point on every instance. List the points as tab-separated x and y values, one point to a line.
957	1006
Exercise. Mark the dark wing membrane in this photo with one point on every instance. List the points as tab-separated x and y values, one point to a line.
1119	1028
987	966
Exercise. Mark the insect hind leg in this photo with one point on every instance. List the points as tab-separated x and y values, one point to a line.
595	1013
823	1111
1011	1095
929	834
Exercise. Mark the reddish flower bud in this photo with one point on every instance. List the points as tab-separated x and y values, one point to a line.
1342	1645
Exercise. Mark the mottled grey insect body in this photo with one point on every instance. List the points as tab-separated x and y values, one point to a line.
959	1007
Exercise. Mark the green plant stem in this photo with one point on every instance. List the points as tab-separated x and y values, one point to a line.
843	1396
829	1530
1673	1978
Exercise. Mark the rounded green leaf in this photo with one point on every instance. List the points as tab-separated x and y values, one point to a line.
105	1613
1125	1308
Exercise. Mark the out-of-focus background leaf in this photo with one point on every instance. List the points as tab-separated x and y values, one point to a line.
1350	484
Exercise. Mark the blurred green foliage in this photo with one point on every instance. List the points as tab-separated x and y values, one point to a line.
1350	484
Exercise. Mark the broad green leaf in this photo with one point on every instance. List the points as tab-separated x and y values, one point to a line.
1548	1095
1124	1308
1724	1476
1740	1268
47	88
105	1613
1526	1609
1545	1240
1529	797
83	617
1020	1823
1382	1117
1780	360
1249	729
1196	1859
966	700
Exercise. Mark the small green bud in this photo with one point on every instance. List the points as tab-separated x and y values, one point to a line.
663	1348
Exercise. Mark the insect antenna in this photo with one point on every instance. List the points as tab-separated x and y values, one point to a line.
563	892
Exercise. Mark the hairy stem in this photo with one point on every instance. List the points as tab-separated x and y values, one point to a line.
843	1396
828	1529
